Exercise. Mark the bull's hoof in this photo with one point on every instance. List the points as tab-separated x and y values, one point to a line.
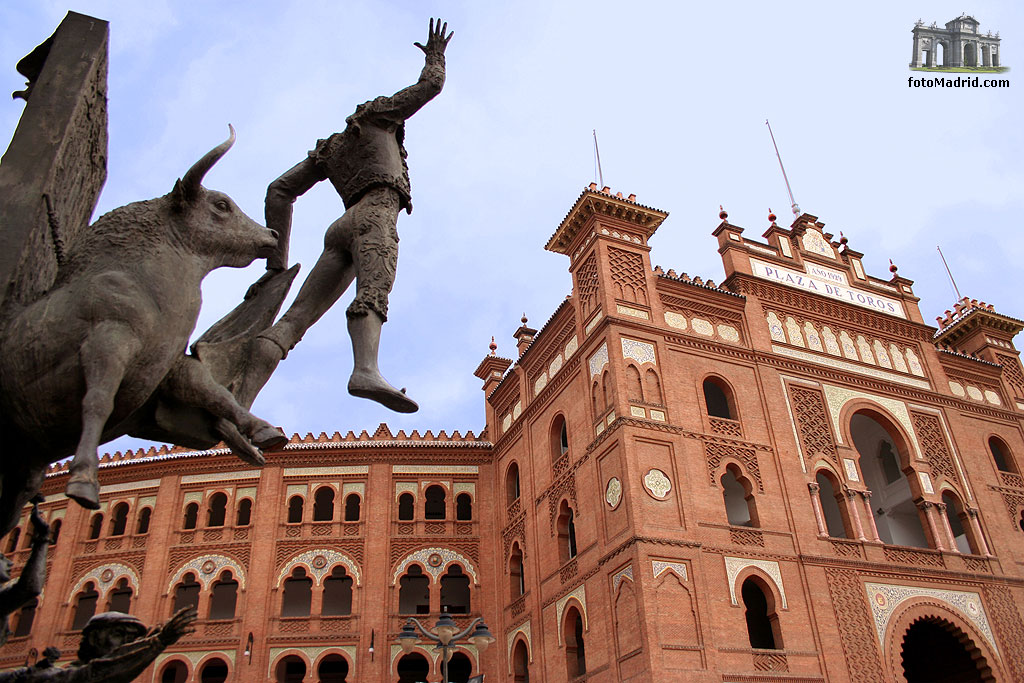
269	438
249	454
85	493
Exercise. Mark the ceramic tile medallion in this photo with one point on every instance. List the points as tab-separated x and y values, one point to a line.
657	484
613	492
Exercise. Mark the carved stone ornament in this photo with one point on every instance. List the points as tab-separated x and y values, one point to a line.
613	492
657	484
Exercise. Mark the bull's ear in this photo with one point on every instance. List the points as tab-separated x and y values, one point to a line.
178	198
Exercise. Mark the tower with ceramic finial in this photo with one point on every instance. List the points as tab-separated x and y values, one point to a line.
491	369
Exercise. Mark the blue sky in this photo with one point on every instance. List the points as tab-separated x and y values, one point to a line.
678	94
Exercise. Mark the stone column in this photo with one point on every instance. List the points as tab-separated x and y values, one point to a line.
851	506
929	512
872	527
941	507
972	513
814	488
915	59
316	606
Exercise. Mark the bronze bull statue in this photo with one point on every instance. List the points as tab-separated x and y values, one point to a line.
83	363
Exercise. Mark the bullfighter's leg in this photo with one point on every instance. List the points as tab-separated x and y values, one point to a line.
374	251
190	382
105	355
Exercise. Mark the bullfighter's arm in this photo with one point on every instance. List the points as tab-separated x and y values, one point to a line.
30	582
408	101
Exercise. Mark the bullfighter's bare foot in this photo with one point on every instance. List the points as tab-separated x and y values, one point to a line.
376	388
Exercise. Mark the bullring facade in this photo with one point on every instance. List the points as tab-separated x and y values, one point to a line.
785	476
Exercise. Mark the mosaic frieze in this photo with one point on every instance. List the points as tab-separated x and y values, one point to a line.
886	598
105	576
641	352
624	573
435	469
599	360
659	567
207	569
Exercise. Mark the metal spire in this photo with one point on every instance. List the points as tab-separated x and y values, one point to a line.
949	273
597	160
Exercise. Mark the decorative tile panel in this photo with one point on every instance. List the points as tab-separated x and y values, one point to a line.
914	364
434	562
657	484
464	487
641	352
541	382
219	476
974	392
734	565
133	485
207	568
517	410
593	322
637	411
325	471
104	577
245	492
293	490
728	333
793	332
851	367
581	595
435	469
813	340
837	397
353	487
814	242
194	657
831	343
624	573
571	346
775	328
886	598
613	492
659	567
658	415
632	312
957	388
319	563
865	350
406	487
881	354
676	320
150	501
926	482
523	628
701	326
599	360
992	397
195	497
556	364
897	358
312	653
851	469
849	350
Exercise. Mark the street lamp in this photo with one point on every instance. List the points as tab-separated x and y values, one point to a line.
446	633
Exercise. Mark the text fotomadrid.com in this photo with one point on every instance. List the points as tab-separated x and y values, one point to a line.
958	82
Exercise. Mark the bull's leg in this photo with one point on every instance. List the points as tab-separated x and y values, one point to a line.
105	355
190	382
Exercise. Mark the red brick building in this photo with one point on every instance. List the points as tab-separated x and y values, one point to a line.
786	476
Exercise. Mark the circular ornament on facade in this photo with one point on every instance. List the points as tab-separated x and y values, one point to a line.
319	562
657	484
107	576
435	560
613	492
972	608
881	600
208	567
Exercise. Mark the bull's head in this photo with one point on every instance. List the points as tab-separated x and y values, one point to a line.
211	223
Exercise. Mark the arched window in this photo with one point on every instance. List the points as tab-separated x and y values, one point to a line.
119	519
353	505
595	399
174	672
291	669
455	591
25	618
1001	455
718	399
186	593
224	597
511	484
191	516
517	579
323	504
244	516
85	606
218	509
828	494
652	387
12	539
55	533
95	526
762	621
295	507
412	668
559	438
464	507
521	663
882	454
414	592
142	526
960	525
298	594
332	669
214	671
634	387
575	650
405	507
434	506
120	598
607	390
566	532
338	592
738	494
459	668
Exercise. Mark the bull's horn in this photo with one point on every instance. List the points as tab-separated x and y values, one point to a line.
191	181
